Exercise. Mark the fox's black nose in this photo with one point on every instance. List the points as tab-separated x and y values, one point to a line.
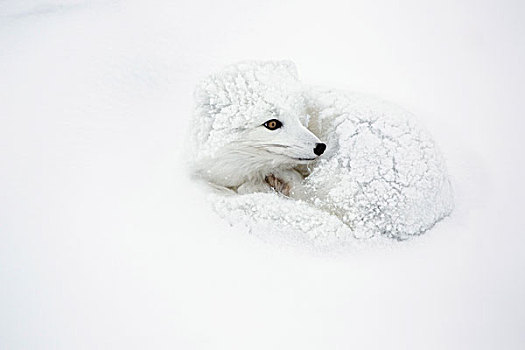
319	148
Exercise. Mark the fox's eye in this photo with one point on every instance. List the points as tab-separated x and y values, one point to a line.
273	124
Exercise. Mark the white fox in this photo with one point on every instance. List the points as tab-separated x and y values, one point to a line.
355	158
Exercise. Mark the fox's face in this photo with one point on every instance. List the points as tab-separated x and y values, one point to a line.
281	137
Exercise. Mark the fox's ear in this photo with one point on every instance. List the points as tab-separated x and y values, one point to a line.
287	67
271	72
281	70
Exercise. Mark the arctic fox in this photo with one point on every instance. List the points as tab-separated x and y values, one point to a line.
363	160
250	137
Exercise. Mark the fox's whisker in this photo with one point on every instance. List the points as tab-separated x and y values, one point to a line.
262	146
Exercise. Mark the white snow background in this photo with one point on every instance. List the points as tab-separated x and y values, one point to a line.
105	242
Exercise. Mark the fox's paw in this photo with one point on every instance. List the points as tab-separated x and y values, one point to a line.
278	184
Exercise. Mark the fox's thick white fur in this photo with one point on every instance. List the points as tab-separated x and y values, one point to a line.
380	173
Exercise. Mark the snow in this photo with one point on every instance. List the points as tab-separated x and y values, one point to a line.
107	243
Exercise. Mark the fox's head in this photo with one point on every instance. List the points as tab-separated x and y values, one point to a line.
252	118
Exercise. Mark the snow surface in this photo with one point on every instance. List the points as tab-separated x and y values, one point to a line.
106	243
380	174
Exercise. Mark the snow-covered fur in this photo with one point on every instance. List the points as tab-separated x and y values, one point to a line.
380	173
